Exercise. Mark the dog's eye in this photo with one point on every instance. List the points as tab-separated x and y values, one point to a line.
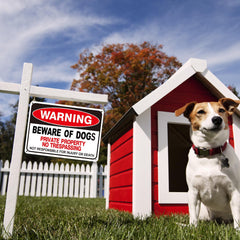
221	110
201	112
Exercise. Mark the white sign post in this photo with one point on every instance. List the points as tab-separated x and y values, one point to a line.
25	90
18	142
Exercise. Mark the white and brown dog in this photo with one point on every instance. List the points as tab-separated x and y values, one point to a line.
213	169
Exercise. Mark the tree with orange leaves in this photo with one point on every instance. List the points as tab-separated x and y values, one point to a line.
126	72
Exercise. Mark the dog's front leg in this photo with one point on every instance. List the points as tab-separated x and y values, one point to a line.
235	208
194	206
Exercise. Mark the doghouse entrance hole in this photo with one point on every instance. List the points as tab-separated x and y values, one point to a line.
179	144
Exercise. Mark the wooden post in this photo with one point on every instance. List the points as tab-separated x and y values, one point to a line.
18	145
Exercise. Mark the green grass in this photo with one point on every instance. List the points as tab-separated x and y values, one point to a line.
66	218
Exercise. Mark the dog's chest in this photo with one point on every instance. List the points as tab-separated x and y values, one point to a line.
213	184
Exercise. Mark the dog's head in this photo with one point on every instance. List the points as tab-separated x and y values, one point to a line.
209	118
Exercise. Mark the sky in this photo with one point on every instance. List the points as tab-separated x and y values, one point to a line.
51	34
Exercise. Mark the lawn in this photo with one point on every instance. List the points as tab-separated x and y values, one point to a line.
70	218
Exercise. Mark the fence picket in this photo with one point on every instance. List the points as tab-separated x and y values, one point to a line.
28	179
105	170
50	181
34	179
82	181
5	178
100	181
93	186
55	181
38	179
71	180
60	186
87	182
76	182
22	179
45	178
66	181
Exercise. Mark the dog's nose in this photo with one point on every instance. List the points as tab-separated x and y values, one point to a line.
217	120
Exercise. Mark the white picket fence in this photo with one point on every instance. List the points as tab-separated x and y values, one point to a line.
56	180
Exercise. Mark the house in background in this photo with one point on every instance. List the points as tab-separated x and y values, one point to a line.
148	147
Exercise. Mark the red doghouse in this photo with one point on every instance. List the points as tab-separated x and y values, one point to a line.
148	147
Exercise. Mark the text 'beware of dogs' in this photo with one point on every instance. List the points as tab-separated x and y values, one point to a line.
64	131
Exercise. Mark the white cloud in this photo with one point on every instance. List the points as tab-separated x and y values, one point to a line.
12	7
219	46
229	3
25	25
184	43
7	100
225	56
28	23
54	72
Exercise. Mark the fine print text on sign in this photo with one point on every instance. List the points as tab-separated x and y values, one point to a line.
64	131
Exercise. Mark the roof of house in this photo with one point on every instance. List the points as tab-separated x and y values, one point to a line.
191	67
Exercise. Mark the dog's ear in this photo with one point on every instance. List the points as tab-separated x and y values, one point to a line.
185	110
229	104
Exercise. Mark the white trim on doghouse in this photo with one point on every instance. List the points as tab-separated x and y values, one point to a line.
236	134
219	86
142	166
191	67
108	175
186	71
165	196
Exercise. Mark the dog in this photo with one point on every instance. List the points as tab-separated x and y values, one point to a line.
213	168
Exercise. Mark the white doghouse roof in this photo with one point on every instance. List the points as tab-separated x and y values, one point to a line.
191	67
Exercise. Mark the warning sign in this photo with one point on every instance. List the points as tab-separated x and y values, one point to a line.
64	131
